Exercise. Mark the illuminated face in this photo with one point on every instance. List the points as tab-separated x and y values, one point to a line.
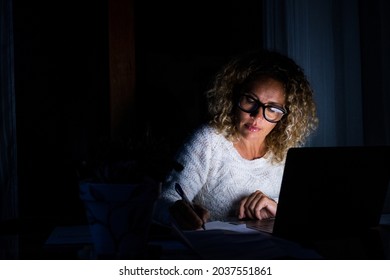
261	108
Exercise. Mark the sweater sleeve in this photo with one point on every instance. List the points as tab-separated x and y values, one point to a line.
194	157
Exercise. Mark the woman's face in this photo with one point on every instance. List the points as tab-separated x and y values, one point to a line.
253	126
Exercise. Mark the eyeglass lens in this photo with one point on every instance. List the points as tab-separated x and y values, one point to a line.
251	105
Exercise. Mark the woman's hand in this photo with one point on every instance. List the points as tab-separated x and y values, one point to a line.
186	218
257	206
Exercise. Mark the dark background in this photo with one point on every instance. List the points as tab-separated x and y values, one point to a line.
65	94
62	86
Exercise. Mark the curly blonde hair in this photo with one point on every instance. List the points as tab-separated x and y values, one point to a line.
238	74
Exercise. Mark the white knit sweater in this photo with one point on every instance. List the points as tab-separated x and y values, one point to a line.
217	177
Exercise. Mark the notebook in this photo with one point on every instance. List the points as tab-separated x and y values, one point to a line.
331	192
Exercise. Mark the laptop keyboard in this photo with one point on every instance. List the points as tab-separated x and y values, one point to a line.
261	225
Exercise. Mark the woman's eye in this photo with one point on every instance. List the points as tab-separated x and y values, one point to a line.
275	110
250	100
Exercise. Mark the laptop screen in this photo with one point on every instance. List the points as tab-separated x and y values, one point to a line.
332	192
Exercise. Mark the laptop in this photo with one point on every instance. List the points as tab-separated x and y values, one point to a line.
330	193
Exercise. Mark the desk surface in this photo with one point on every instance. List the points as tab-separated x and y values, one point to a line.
219	245
28	240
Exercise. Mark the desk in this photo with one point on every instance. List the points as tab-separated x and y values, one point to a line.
215	245
26	239
225	245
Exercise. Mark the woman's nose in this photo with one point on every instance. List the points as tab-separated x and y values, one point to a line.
258	114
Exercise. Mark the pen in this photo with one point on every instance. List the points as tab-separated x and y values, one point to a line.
182	194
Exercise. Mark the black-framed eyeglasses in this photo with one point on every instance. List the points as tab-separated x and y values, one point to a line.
251	105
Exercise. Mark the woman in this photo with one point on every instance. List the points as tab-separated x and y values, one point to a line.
260	105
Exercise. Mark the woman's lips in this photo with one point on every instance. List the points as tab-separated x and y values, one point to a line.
252	128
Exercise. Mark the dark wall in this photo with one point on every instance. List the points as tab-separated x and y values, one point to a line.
61	90
375	59
62	83
179	48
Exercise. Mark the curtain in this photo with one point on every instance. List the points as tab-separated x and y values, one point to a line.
375	45
8	178
323	37
343	47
